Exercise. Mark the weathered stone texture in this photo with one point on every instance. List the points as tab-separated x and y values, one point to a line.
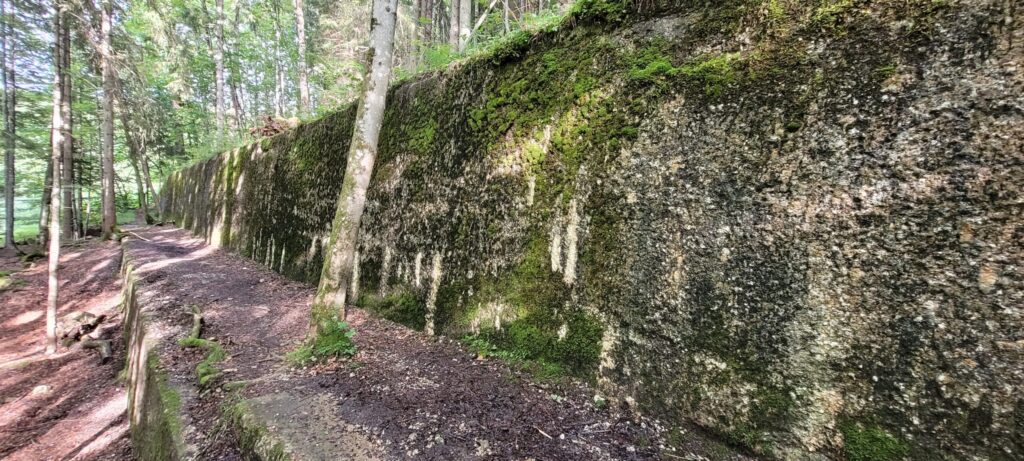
798	224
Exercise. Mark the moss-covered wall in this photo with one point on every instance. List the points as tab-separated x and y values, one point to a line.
796	223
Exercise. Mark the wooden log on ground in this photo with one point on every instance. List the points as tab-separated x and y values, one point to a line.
197	323
102	346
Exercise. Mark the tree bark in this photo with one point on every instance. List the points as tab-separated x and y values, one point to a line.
57	140
453	25
278	69
236	102
300	32
465	22
44	204
10	92
131	135
67	160
107	176
338	265
218	59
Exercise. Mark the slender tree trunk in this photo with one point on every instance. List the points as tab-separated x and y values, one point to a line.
453	25
337	272
44	203
236	103
300	32
10	92
107	176
465	22
57	140
218	59
278	70
67	161
131	135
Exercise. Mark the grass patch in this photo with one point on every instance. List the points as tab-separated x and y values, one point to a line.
8	283
541	369
333	339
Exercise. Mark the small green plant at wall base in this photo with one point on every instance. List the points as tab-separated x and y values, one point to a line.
333	339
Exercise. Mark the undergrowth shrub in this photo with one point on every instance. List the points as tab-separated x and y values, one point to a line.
333	338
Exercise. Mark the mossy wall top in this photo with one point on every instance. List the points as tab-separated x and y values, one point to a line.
796	223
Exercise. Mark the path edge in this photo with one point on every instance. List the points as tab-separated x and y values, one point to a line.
156	419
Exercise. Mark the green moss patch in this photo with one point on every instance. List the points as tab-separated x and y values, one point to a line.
401	306
206	372
871	443
545	330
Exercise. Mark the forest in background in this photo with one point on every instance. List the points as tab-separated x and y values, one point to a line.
194	77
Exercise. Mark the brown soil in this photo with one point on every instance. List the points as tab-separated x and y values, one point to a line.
66	406
416	396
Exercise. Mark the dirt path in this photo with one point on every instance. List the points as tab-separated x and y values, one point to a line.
406	395
66	406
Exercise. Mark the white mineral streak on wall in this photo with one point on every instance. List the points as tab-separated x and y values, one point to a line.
312	248
556	246
493	312
571	231
609	338
354	283
818	340
419	268
435	284
385	268
531	187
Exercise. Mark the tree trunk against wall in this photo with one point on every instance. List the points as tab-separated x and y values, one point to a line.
465	22
424	25
107	158
278	69
453	25
132	133
337	272
236	103
10	93
44	203
300	32
67	160
57	140
218	60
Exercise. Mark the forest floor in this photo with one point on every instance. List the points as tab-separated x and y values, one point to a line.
67	406
405	395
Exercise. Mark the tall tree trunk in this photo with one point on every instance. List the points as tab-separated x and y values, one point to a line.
236	78
218	59
67	161
300	32
504	14
132	134
57	140
337	271
424	25
465	22
44	203
10	92
107	176
278	69
453	25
